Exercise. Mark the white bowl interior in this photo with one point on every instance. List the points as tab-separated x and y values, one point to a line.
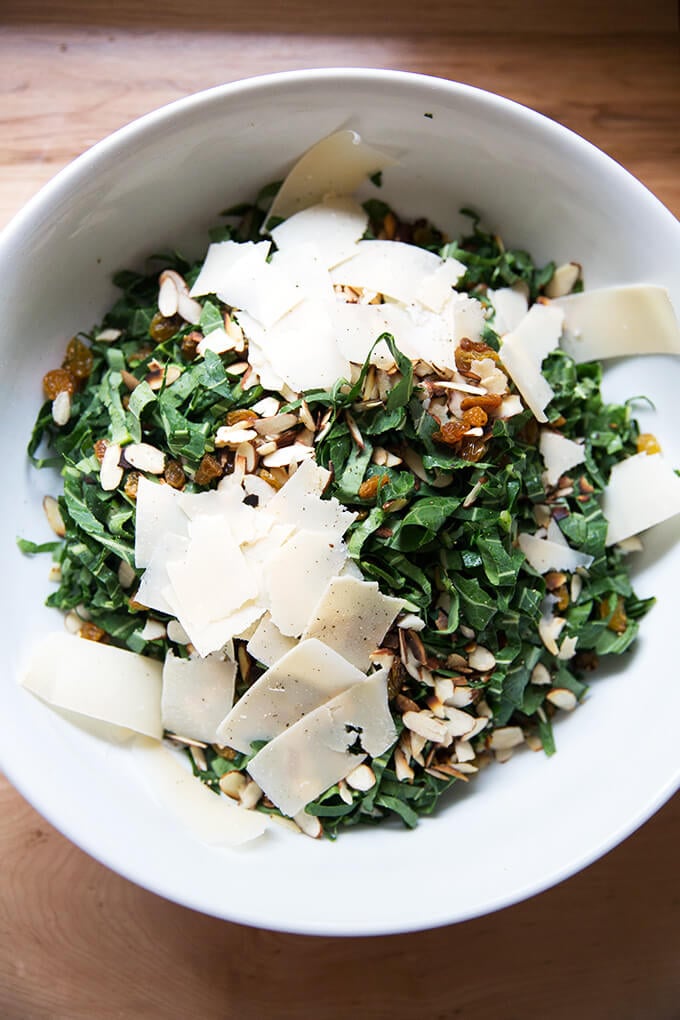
161	183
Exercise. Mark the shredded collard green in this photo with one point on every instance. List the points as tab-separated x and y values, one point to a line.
441	535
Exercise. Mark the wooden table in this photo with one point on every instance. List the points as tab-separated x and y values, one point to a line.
76	941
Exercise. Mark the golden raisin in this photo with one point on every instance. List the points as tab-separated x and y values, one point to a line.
369	488
451	432
78	360
208	470
100	449
161	329
619	620
647	443
489	401
472	350
562	595
190	344
174	474
241	414
91	632
58	380
130	484
475	417
389	226
269	478
471	448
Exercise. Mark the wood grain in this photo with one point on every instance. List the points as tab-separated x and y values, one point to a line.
80	943
64	88
77	942
357	18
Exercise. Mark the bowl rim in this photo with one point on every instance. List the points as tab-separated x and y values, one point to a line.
63	183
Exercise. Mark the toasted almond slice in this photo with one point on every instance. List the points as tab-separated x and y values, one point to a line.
417	744
126	574
233	783
145	457
534	742
168	294
505	738
53	515
267	407
111	473
461	696
563	280
443	687
482	659
403	770
464	750
562	698
234	435
177	633
153	630
344	792
425	725
293	454
458	723
190	309
108	336
503	755
309	824
274	425
72	622
540	675
361	778
410	621
61	408
251	795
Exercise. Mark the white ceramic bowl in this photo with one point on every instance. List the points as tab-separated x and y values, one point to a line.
160	182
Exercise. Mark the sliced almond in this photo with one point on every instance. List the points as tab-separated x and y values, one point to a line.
126	574
403	770
111	473
344	792
177	633
145	457
361	778
562	698
505	738
461	696
274	425
190	310
410	621
267	407
108	336
563	280
53	515
425	725
309	824
233	783
251	795
168	295
286	455
464	750
540	675
61	408
458	723
153	630
234	435
482	659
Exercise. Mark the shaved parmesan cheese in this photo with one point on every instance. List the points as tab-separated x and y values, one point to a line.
296	575
353	617
157	511
464	316
223	259
555	533
419	334
217	340
510	306
197	694
544	555
392	268
333	227
304	678
642	491
336	165
96	680
559	454
617	321
155	578
302	762
301	347
435	290
268	644
212	579
213	635
523	351
216	821
299	502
